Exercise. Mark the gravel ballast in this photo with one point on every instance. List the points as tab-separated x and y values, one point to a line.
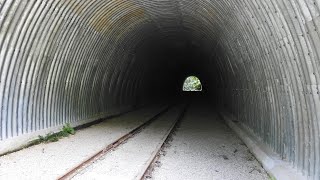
205	148
50	161
130	159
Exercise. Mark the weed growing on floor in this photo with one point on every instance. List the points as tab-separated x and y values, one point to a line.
68	129
54	137
272	178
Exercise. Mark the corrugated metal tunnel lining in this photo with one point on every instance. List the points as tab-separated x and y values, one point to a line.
65	61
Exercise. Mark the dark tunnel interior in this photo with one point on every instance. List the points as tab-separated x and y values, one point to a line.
169	61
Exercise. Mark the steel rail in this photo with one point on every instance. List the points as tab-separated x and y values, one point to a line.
146	174
86	163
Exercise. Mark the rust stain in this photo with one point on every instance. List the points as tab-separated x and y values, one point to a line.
136	14
130	19
103	19
76	6
123	31
100	23
115	12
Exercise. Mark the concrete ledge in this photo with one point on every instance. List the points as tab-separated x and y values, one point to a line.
276	167
20	142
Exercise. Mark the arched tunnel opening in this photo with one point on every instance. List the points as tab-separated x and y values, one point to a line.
77	61
192	83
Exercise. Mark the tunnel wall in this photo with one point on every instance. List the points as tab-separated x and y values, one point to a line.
67	60
61	62
271	77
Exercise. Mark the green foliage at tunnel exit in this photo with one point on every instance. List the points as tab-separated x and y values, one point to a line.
192	83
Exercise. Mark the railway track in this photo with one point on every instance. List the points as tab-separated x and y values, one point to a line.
145	171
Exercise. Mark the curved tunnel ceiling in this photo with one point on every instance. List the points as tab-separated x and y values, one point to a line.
69	60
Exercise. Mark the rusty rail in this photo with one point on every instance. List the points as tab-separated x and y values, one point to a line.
86	163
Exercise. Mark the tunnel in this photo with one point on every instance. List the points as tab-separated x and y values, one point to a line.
71	61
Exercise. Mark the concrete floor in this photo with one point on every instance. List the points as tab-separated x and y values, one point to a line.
205	148
129	160
49	161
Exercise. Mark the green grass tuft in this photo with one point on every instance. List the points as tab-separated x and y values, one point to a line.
54	137
67	129
51	137
272	178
